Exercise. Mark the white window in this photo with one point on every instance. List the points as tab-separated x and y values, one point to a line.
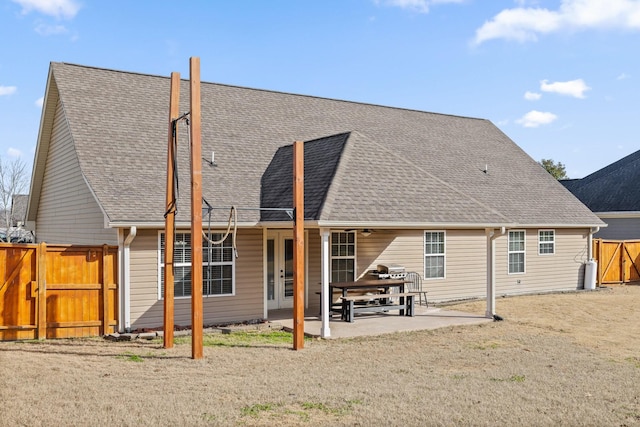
516	252
218	265
434	254
343	256
546	242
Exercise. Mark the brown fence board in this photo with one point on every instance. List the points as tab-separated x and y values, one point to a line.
57	291
618	261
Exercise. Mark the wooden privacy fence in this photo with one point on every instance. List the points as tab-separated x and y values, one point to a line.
618	261
57	291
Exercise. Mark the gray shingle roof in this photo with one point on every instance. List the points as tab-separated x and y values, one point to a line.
393	164
614	188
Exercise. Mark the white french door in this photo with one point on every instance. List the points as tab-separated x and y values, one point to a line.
279	269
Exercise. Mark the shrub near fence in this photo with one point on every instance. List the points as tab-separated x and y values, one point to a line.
57	291
618	261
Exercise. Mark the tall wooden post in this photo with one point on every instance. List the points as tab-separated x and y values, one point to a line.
298	238
196	210
170	218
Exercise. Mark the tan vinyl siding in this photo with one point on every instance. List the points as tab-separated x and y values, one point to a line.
314	269
465	260
620	229
246	304
564	270
68	212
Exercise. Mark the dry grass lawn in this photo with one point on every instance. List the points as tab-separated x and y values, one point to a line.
556	360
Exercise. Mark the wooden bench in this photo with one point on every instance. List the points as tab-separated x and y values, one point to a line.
381	302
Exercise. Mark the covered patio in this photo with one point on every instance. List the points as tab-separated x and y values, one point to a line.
380	323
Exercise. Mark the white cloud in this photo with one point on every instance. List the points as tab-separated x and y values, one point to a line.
532	96
7	90
14	152
39	102
50	30
525	24
66	9
420	6
534	118
575	88
623	76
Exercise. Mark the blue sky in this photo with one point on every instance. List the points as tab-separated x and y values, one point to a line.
560	78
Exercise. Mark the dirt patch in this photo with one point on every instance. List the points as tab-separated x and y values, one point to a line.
563	359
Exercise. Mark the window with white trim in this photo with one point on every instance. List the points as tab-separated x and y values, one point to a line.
434	254
343	256
218	265
546	242
516	252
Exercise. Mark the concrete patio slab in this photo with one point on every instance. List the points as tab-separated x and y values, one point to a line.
380	323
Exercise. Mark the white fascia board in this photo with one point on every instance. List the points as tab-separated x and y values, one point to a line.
182	225
411	225
559	225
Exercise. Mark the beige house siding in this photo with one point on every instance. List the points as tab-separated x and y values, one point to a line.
68	212
620	229
247	303
465	259
563	270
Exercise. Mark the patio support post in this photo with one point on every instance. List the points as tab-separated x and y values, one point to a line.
491	294
298	239
325	332
491	269
196	211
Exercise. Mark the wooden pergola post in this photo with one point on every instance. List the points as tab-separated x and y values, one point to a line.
298	239
196	210
170	214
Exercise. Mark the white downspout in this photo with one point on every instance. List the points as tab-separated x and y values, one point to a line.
325	332
126	278
491	270
592	231
120	280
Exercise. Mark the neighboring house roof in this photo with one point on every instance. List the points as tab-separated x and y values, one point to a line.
363	163
614	188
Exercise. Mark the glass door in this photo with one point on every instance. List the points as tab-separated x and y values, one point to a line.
280	249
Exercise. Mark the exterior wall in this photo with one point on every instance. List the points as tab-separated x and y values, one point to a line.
563	270
465	260
620	229
247	303
68	212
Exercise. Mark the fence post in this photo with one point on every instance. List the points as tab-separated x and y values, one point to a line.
41	265
105	291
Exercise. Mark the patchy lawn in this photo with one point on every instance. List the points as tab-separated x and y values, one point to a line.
562	359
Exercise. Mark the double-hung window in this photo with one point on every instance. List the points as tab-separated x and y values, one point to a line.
343	256
218	265
434	254
546	242
516	252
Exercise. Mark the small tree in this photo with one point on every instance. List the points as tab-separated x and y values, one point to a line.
557	170
13	180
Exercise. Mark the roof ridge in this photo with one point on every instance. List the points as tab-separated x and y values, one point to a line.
327	204
275	92
612	168
419	167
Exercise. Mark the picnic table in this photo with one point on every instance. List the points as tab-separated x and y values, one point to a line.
375	294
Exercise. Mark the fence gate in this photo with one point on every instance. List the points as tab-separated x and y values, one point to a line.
618	261
57	291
